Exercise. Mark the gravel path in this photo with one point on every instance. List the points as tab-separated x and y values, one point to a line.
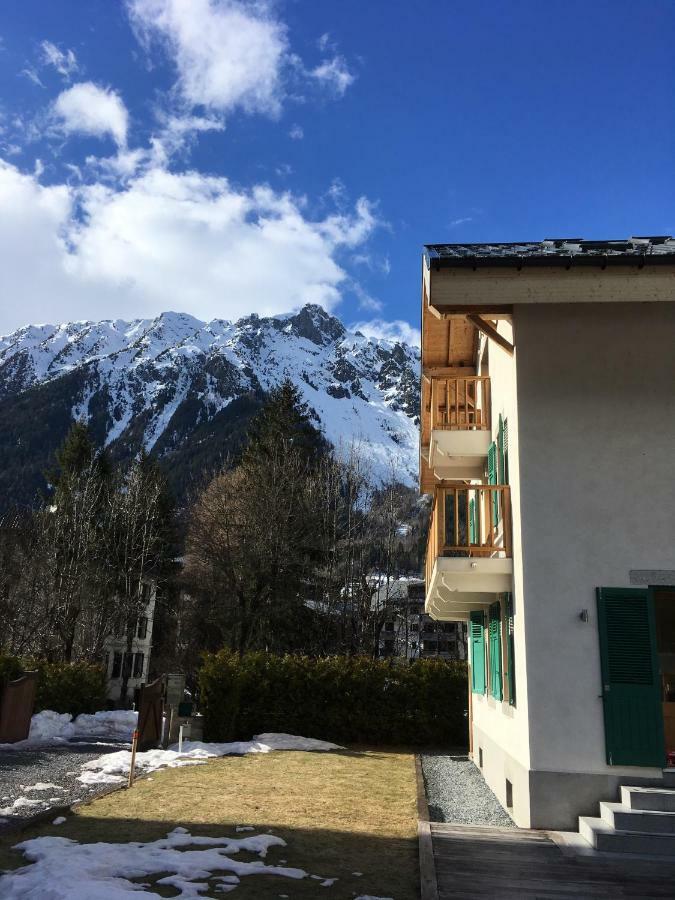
457	793
57	765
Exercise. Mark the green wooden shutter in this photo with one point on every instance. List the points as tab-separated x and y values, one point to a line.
500	451
510	651
477	652
472	522
493	479
631	683
495	645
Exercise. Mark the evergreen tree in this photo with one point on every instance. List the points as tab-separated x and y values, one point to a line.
284	423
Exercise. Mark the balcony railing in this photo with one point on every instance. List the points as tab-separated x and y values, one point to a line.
461	404
469	520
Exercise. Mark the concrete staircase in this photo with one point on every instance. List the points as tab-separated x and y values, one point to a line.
642	822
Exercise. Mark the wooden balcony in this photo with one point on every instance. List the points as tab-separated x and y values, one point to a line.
460	404
459	425
469	549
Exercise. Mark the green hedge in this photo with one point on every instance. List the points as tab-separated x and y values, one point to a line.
64	687
340	699
69	687
10	668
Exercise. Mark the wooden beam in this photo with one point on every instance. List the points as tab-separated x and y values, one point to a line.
491	332
454	311
448	372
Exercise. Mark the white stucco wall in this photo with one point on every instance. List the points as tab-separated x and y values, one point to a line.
595	493
506	726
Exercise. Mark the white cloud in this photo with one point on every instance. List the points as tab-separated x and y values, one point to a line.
87	108
397	330
334	74
324	42
65	63
229	54
462	221
165	241
296	132
31	74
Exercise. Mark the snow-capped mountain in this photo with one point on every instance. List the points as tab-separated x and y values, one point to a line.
181	387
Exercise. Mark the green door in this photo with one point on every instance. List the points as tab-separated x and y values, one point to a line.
631	691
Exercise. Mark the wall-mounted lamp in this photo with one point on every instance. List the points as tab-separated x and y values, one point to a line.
583	615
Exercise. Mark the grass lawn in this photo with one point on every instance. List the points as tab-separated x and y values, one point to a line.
339	813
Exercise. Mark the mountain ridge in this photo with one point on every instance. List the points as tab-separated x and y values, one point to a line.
174	384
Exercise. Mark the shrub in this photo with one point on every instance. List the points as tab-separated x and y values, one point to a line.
69	687
10	668
340	699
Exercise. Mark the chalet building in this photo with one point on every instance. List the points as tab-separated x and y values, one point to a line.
408	632
548	443
135	664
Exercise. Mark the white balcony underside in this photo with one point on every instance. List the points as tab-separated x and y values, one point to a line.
458	454
459	585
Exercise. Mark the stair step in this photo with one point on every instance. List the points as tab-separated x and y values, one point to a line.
647	821
603	837
669	778
659	799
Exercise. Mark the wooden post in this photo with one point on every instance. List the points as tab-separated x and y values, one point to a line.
134	744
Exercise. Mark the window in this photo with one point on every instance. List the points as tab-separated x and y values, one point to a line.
477	639
510	651
126	665
495	652
443	647
116	666
138	665
429	645
388	648
448	627
142	630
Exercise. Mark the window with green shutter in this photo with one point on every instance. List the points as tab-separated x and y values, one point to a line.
510	651
477	640
493	479
495	650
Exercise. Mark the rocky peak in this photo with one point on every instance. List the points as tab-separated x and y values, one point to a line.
316	325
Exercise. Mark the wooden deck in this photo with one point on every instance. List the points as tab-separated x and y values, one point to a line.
505	863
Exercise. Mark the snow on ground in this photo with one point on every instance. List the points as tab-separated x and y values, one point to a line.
114	767
49	727
63	869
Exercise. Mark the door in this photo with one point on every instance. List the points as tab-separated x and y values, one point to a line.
630	678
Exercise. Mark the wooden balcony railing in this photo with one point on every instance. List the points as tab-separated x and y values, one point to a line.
469	520
461	404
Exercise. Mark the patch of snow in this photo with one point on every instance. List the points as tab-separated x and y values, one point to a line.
41	786
67	870
49	727
19	803
113	767
116	724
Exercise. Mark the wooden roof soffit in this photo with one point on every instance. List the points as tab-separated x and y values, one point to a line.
490	332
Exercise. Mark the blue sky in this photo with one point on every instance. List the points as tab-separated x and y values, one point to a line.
223	157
